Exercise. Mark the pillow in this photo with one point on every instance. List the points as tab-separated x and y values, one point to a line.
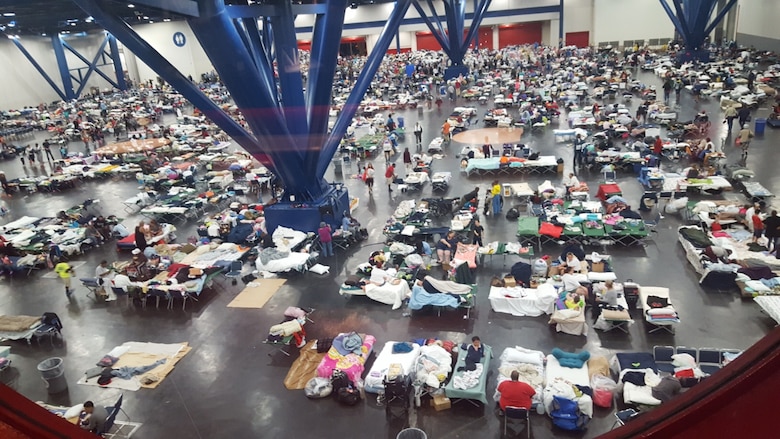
757	286
319	269
683	360
571	359
73	411
521	355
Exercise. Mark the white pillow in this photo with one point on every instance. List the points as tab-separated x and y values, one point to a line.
319	269
521	355
73	411
683	360
660	311
757	286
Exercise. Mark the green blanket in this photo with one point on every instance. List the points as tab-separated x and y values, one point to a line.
528	226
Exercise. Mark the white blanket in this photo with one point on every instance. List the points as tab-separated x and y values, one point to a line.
520	301
559	383
294	261
377	374
432	366
468	379
388	293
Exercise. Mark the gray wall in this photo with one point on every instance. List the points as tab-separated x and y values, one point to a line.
759	42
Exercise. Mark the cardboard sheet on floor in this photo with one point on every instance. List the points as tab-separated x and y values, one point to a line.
304	367
142	354
256	293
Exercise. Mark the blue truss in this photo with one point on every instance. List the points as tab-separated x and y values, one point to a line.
452	40
101	59
691	18
289	127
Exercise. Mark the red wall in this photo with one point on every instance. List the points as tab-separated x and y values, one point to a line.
579	39
485	37
426	41
394	50
521	33
304	45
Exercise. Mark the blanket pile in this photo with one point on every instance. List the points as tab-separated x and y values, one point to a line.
468	379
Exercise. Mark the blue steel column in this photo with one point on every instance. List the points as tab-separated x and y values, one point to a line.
691	18
219	39
62	65
361	84
92	66
167	71
289	70
118	70
325	44
35	64
561	42
439	36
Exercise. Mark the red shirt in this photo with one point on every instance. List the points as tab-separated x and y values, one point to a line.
658	146
757	223
390	171
515	394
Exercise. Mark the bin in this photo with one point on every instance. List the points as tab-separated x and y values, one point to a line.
411	433
760	126
53	373
337	165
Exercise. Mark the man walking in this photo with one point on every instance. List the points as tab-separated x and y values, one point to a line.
64	271
731	114
418	133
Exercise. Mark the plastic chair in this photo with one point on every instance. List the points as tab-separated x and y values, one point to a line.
51	325
517	413
234	272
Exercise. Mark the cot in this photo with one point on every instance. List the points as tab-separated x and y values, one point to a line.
352	364
528	231
520	301
658	317
559	381
528	363
476	392
770	305
19	327
374	382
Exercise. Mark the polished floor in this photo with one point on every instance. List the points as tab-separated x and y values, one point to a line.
229	387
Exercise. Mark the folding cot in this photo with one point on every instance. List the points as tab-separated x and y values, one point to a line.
528	231
755	191
633	232
454	390
658	317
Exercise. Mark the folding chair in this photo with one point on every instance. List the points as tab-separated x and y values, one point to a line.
235	271
710	360
517	413
663	358
93	285
624	416
51	325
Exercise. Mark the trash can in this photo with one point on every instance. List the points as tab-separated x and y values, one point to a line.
760	126
337	165
53	373
411	433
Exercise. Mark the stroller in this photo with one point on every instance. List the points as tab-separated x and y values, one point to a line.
397	396
439	207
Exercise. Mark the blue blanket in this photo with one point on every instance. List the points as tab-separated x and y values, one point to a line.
348	343
421	298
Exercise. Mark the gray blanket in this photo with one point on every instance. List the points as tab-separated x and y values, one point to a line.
446	286
271	253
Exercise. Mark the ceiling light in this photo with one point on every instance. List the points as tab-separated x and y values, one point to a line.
89	19
12	24
9	14
130	5
166	19
146	17
43	34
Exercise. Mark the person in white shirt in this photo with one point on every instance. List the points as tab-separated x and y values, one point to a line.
569	279
571	262
213	230
749	216
570	181
102	274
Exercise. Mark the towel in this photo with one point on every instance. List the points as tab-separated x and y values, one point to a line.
348	343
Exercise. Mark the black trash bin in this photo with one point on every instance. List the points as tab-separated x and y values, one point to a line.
53	373
631	290
411	433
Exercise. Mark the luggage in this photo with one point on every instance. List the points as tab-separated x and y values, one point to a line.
318	387
512	214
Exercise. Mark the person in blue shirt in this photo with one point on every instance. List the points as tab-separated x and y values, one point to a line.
474	354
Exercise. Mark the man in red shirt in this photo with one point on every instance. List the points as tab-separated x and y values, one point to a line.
515	393
758	225
390	176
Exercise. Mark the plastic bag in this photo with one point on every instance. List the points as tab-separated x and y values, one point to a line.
318	387
603	389
413	260
599	381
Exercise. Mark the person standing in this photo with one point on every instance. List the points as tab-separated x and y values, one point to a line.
326	239
31	154
477	231
758	225
65	271
743	115
495	191
370	178
744	139
668	86
390	176
418	130
39	153
407	160
658	149
140	236
387	148
446	131
731	114
102	274
578	144
772	231
47	150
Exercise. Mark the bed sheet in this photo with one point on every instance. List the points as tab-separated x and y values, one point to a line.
529	363
352	364
285	238
374	380
559	382
478	392
523	302
521	189
643	395
295	261
528	226
770	305
569	321
644	293
466	253
415	178
432	367
635	360
389	294
488	164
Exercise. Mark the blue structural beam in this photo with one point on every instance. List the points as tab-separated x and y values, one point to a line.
143	50
352	103
121	83
691	18
35	64
62	65
180	7
91	66
289	71
452	41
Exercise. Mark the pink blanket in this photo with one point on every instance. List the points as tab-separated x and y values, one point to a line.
468	253
351	364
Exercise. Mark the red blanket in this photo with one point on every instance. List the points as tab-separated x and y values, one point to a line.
549	229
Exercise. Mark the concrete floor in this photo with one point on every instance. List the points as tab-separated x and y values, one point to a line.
229	386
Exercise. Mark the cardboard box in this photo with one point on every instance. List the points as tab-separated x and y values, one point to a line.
440	402
598	267
509	281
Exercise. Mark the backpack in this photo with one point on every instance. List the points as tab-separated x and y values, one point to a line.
348	395
512	214
566	414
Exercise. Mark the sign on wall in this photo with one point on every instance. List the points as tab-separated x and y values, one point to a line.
179	39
